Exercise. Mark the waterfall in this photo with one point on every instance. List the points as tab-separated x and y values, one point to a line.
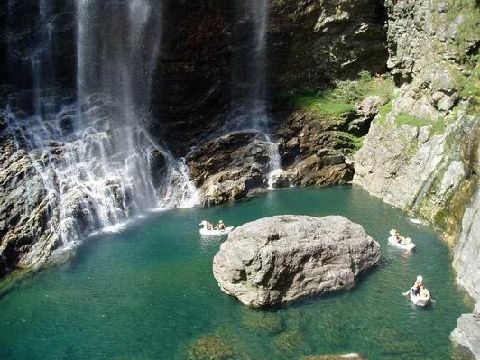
249	108
98	163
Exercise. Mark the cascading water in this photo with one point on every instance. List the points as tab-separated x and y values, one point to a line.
98	164
249	94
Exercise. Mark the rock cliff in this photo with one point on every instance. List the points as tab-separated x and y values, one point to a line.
422	151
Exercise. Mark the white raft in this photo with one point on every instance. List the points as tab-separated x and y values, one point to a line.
422	300
205	232
406	243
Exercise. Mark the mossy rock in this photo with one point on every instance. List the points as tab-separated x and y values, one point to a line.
263	323
211	348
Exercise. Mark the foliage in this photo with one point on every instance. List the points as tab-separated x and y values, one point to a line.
343	99
384	111
437	126
405	119
356	141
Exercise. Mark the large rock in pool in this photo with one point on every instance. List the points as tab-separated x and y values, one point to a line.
282	258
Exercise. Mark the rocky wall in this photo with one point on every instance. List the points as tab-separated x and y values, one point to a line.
421	153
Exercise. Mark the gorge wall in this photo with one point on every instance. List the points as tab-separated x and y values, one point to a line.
422	151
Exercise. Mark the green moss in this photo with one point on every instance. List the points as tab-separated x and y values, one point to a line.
438	127
356	141
331	357
384	111
343	99
405	119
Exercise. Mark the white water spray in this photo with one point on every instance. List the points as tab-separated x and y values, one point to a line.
98	164
249	93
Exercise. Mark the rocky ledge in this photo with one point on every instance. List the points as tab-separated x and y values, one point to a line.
283	258
230	167
467	332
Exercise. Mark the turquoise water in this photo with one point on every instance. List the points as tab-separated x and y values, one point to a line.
148	292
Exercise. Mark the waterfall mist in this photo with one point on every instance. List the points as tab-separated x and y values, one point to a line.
249	97
98	164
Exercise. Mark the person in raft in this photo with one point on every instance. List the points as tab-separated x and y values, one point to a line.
221	225
417	285
398	237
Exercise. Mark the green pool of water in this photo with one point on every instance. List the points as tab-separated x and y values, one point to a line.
147	292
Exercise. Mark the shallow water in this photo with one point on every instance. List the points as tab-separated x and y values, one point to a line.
147	292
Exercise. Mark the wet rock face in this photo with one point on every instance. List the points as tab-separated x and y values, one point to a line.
25	211
283	258
192	85
308	45
20	27
230	167
312	43
314	150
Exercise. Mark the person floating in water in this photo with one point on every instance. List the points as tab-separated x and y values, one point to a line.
221	225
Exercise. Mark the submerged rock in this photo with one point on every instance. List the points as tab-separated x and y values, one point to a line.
352	356
211	348
282	258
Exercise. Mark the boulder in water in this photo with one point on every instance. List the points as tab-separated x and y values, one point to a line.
283	258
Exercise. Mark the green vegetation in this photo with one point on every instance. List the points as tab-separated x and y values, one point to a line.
384	111
341	100
466	14
438	127
356	141
404	119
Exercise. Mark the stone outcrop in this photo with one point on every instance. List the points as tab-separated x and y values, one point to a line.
283	258
314	149
230	167
415	168
417	155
